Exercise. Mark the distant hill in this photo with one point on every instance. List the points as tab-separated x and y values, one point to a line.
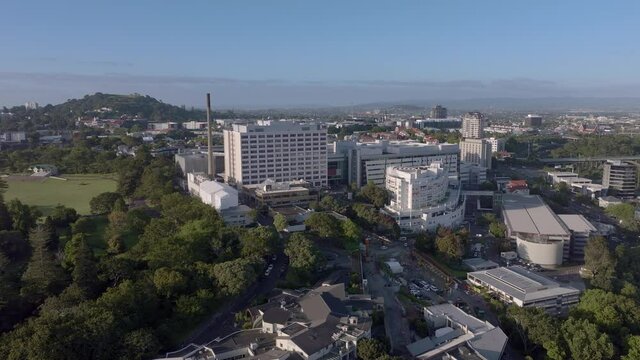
134	105
63	116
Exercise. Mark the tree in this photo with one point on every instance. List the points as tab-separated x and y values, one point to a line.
374	194
83	225
585	341
168	282
351	230
259	242
325	225
6	222
425	242
43	276
63	216
139	344
103	203
280	222
234	276
498	229
23	216
329	203
303	254
85	272
600	261
533	326
449	244
614	314
633	348
370	349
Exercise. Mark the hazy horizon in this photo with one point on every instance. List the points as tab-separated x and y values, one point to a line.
292	54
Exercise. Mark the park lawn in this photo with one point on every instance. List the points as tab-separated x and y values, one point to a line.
47	193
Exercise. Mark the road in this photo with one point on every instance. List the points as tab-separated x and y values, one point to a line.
222	322
395	322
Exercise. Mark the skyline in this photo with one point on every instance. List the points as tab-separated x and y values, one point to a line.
330	54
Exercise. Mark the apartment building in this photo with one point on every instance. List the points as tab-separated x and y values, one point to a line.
473	124
276	150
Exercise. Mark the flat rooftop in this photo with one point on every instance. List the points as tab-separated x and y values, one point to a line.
522	284
577	223
529	214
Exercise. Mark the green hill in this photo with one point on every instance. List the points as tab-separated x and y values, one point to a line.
63	116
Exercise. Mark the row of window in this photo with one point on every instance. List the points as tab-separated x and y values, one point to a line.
275	136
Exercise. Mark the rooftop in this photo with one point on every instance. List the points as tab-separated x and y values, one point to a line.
529	214
522	284
577	223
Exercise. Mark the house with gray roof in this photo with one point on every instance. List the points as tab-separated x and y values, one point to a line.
321	324
454	334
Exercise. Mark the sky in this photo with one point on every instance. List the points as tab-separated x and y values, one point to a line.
318	53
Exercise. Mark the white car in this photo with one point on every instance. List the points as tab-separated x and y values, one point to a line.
383	247
266	273
434	288
478	235
424	283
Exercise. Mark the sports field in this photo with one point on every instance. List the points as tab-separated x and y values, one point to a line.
46	193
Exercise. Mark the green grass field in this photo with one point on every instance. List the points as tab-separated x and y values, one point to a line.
46	193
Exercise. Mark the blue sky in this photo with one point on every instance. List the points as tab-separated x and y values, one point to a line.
291	53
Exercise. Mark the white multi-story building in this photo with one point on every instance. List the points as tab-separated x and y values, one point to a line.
497	144
473	124
422	198
368	162
222	197
278	150
476	151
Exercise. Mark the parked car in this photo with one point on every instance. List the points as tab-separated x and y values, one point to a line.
383	247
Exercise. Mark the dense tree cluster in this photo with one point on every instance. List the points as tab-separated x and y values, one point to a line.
448	244
164	268
376	195
594	145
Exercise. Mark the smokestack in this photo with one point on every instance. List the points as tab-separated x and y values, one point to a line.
211	163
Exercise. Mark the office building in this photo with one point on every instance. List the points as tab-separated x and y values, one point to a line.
422	198
476	151
368	162
497	144
275	195
473	124
518	286
276	150
581	231
620	178
454	334
472	174
541	236
533	120
438	112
